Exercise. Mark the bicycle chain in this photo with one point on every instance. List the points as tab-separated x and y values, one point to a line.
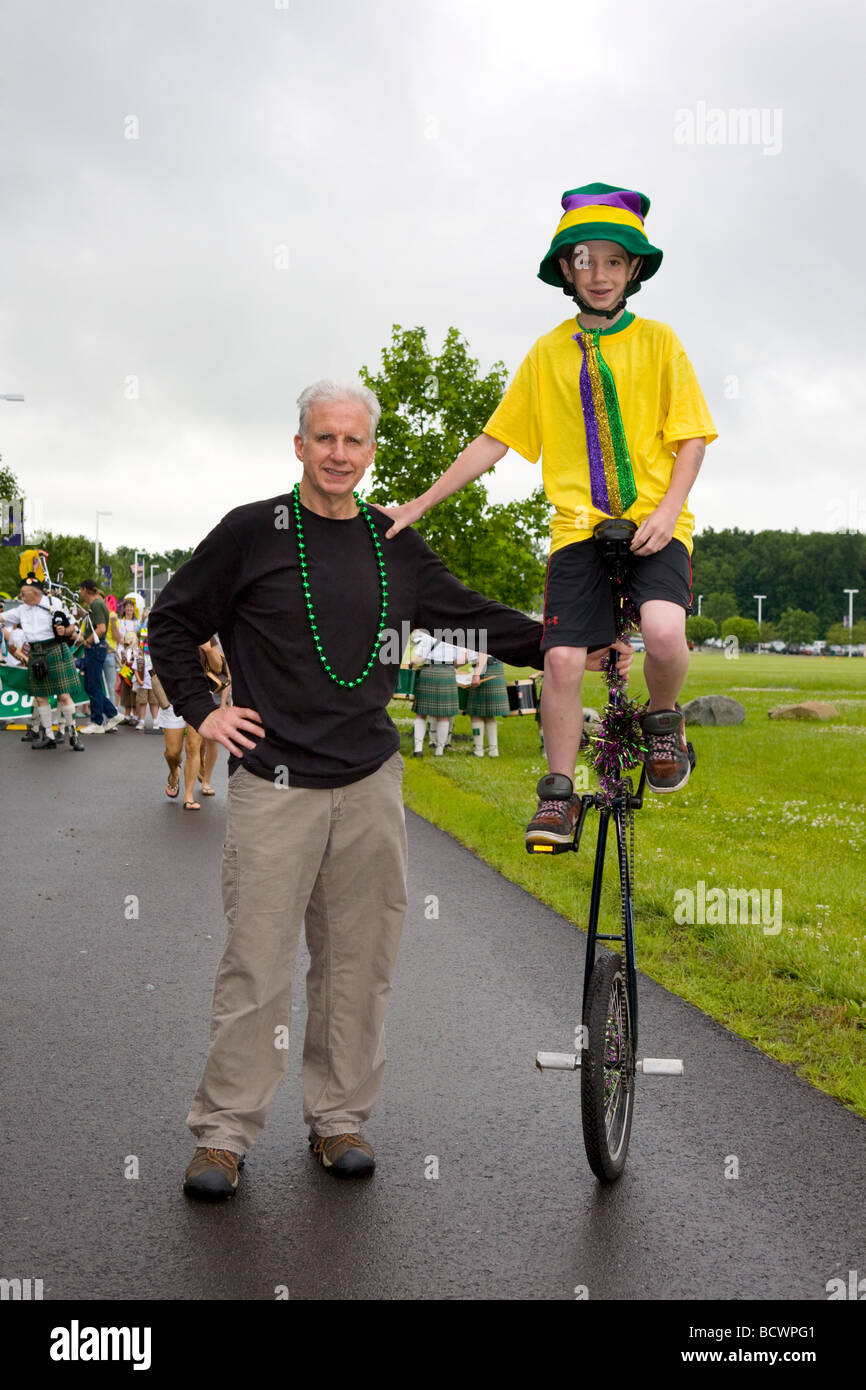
626	851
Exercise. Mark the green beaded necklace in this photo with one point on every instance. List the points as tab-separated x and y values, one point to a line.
305	581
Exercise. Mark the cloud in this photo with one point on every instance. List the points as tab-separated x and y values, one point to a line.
304	177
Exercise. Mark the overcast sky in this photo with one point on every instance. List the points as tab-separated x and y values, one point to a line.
411	155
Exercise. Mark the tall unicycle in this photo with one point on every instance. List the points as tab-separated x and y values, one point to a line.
608	1055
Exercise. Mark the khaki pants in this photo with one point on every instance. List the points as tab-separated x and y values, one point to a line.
336	860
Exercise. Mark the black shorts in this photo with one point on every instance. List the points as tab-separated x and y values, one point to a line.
578	600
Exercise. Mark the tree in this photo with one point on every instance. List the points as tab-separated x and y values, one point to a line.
698	629
431	408
720	605
744	629
840	636
797	626
9	485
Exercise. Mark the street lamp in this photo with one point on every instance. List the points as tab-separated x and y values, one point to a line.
140	556
152	568
96	547
760	598
850	593
700	601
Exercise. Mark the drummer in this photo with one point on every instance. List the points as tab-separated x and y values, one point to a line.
50	668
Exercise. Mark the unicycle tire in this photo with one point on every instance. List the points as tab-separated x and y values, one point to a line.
607	1069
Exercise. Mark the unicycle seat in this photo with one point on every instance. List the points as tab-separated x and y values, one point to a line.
614	528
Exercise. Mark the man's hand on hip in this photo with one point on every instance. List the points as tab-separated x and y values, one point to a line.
226	725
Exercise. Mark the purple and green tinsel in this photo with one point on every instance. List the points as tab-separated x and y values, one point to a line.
619	745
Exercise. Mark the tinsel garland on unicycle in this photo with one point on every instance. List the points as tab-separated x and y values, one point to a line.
618	745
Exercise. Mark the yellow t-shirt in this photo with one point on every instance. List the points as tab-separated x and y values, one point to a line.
660	401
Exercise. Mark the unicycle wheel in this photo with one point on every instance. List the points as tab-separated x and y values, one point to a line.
607	1069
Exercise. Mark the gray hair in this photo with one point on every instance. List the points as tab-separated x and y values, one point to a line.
337	391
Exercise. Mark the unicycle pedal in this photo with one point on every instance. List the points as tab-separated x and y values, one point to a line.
550	849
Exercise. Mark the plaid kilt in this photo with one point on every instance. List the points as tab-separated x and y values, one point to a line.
436	691
62	678
489	700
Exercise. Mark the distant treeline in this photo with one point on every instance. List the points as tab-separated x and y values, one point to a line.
801	571
795	570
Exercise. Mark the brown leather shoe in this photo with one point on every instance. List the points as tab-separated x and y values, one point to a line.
558	810
667	761
343	1155
213	1174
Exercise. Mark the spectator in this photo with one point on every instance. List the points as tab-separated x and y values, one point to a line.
103	714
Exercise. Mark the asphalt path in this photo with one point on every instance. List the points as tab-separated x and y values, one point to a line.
482	1189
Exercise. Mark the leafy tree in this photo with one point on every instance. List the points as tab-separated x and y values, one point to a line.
720	605
795	626
698	629
839	635
432	407
9	485
744	629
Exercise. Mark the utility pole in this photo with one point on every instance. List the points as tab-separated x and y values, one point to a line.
850	593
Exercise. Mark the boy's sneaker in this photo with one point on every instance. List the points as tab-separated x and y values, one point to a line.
667	760
558	810
213	1174
343	1155
113	722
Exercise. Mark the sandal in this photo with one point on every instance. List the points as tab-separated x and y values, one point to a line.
172	791
191	806
207	791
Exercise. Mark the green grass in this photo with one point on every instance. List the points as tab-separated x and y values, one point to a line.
777	805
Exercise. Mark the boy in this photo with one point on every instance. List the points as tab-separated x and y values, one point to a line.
614	405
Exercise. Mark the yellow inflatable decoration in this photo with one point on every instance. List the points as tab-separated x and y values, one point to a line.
33	562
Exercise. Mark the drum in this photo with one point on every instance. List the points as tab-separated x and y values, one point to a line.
405	683
522	697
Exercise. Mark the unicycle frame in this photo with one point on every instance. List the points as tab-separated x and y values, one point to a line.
624	800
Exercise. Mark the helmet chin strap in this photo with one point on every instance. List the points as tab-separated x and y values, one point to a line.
600	313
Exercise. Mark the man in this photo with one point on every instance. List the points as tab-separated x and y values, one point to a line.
302	590
50	669
103	714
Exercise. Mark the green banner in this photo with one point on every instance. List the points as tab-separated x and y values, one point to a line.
16	703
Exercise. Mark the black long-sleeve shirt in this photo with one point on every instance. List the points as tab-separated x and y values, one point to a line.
244	582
